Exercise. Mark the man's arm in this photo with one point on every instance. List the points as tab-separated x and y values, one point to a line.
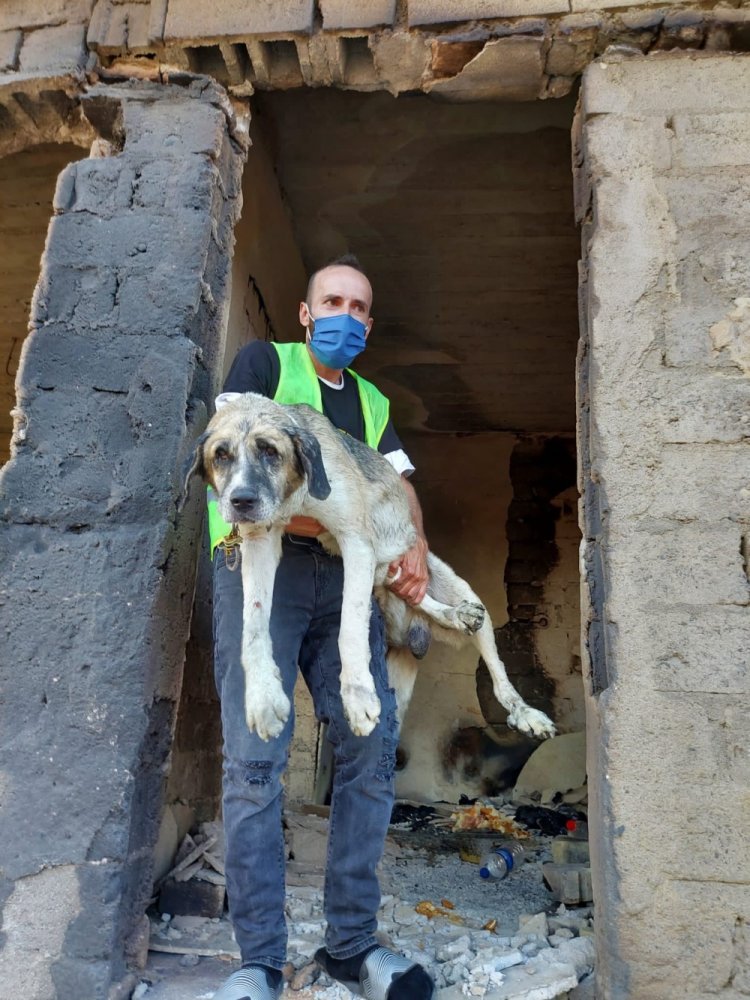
411	585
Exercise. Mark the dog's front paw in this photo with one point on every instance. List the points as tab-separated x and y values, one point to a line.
361	707
470	616
267	709
531	721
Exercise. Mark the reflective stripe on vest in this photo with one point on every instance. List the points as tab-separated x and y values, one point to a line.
298	383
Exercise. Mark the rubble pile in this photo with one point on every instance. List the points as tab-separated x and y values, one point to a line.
497	941
528	936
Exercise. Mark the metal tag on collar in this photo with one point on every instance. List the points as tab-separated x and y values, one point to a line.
231	545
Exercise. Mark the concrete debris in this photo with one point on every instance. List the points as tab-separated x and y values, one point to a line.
569	883
527	956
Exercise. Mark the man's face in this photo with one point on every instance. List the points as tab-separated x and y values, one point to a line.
338	290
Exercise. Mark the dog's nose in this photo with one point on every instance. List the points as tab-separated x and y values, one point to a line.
244	501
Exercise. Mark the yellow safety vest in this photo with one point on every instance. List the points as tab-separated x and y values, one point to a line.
298	383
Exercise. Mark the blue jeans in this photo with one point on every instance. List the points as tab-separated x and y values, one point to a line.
304	630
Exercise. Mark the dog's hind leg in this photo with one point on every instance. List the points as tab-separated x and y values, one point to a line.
466	617
266	705
402	674
520	715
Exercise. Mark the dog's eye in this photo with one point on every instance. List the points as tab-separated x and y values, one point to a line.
268	450
221	455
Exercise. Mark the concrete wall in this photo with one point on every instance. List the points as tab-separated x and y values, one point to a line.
664	393
96	569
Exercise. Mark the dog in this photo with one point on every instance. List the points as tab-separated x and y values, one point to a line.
267	463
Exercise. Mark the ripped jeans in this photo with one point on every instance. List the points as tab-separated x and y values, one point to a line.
304	631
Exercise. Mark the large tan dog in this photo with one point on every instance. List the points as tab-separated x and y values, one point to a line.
268	463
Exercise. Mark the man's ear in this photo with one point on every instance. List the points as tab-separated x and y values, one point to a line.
194	466
307	449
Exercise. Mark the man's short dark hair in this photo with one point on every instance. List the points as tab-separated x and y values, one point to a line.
345	260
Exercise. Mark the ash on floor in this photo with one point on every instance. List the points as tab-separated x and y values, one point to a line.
536	949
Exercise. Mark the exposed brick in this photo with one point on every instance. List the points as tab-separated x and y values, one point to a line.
362	14
223	18
438	11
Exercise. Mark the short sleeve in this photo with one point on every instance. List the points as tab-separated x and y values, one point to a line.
256	368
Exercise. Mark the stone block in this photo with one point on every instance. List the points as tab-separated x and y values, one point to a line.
701	483
440	11
224	18
509	69
401	59
571	52
52	51
624	146
701	649
718	139
713	410
597	5
570	884
683	564
117	27
567	851
10	46
689	81
192	898
364	14
40	13
173	129
704	959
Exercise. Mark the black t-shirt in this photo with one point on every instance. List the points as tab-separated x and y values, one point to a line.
257	368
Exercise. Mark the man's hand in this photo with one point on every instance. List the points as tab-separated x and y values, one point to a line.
411	585
306	526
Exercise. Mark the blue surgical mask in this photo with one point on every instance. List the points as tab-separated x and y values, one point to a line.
337	340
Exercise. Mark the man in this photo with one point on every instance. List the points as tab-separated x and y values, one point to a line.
304	631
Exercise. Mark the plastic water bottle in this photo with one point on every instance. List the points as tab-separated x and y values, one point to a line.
501	860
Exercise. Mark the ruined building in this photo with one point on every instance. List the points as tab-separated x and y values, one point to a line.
551	199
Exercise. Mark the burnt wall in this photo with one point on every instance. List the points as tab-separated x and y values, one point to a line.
96	568
535	643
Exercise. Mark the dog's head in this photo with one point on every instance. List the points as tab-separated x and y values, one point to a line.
255	457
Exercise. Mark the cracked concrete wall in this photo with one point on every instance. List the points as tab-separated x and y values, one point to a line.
96	569
665	478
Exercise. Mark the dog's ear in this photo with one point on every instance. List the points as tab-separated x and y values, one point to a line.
308	453
194	466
